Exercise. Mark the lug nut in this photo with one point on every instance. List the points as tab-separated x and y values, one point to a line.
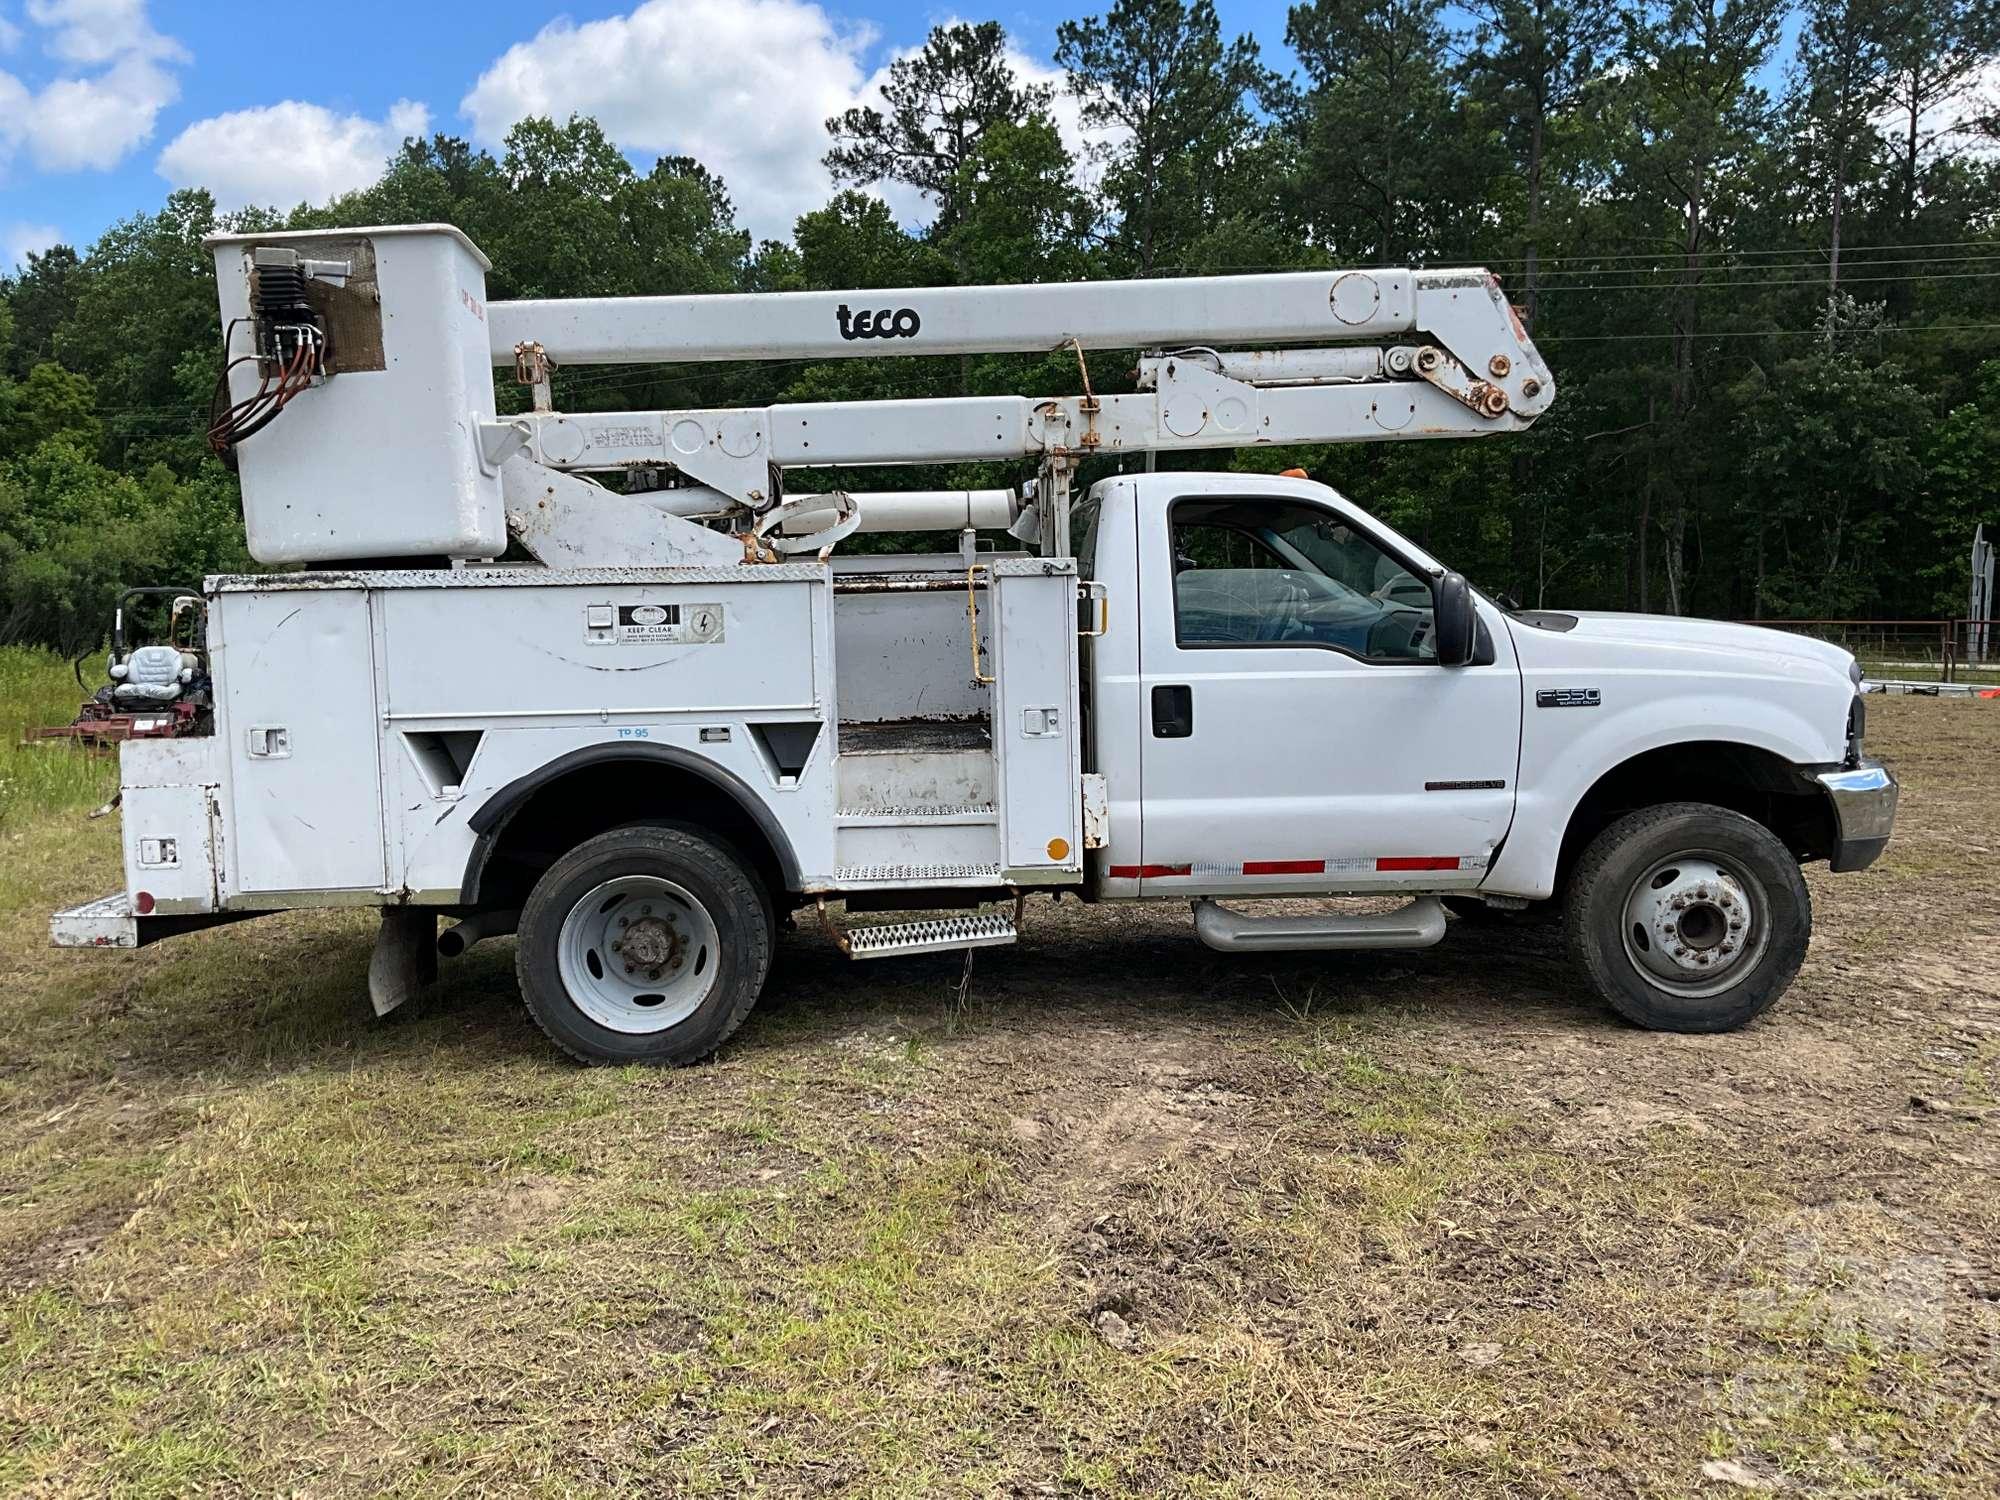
622	922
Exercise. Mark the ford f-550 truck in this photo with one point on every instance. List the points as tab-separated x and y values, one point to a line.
604	681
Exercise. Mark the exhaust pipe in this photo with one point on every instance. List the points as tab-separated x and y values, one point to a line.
453	941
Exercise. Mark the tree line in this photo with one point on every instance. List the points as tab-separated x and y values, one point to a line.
1758	243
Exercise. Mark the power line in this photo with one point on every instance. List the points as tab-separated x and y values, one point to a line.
1771	333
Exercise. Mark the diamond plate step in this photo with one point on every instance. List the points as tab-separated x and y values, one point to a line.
851	875
107	922
889	817
930	935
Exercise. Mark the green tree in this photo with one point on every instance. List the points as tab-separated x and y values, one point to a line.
1389	170
1831	451
941	100
1021	215
1530	65
1842	86
51	402
1694	115
145	297
1159	73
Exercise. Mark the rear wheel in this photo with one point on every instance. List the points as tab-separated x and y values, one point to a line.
644	944
1689	917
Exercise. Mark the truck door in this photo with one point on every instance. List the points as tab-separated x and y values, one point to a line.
1299	733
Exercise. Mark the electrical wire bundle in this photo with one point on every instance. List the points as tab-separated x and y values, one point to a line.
229	424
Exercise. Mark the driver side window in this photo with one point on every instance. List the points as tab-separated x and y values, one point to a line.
1281	573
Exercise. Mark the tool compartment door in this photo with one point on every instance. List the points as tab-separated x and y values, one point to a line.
297	673
1036	736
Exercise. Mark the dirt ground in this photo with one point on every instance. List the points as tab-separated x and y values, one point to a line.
1127	1217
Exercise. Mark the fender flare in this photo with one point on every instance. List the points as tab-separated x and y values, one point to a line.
491	820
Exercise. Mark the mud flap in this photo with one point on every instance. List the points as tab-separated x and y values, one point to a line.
406	958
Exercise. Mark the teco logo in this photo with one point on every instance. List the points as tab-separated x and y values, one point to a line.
884	323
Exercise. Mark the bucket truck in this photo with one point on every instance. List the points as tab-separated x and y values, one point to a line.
605	680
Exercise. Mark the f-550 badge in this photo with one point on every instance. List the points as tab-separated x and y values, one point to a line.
883	323
1568	698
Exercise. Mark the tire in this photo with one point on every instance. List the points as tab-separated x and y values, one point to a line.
698	926
1688	917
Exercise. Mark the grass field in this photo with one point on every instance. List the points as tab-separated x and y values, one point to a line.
1132	1219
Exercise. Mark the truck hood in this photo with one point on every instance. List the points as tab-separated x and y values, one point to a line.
1750	649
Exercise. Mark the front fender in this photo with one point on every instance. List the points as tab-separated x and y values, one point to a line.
1565	751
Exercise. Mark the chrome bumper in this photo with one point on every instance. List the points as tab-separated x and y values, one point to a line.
1864	812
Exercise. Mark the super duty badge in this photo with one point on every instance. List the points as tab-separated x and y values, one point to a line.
1568	697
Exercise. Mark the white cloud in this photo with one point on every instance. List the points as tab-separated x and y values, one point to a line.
20	239
114	76
91	33
743	86
282	154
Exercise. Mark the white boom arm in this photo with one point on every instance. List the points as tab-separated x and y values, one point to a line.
1447	358
373	348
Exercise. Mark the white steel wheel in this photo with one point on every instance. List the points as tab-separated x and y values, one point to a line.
638	954
1688	917
1693	923
647	944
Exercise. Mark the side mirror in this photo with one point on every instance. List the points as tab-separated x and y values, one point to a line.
1455	621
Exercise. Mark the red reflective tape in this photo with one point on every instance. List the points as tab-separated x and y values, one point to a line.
1284	867
1147	872
1418	862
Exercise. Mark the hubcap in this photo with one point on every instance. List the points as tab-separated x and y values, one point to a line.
638	954
1693	925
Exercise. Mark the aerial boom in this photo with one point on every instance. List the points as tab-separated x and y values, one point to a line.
381	345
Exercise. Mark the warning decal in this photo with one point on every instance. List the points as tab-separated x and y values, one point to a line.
673	624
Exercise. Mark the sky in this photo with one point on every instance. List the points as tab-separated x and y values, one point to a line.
107	105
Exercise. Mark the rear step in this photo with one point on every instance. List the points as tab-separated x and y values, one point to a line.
107	922
1417	925
928	935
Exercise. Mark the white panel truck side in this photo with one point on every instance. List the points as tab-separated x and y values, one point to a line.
674	714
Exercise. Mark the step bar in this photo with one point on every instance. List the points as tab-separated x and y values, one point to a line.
1417	925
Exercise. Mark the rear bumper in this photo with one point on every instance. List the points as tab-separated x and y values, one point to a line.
1864	812
110	922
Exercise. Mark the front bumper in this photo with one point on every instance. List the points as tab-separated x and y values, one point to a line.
1864	812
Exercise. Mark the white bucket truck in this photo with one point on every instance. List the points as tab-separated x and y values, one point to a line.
605	680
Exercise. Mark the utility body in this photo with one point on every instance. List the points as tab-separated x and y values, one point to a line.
639	722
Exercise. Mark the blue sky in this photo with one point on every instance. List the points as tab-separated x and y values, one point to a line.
105	105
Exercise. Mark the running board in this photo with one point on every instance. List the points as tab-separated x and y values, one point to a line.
928	935
1417	925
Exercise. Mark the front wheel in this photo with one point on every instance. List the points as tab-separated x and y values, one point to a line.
1689	917
645	944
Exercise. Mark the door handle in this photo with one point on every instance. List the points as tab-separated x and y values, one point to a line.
1173	712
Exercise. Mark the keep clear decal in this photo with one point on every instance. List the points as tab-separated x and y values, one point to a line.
672	624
